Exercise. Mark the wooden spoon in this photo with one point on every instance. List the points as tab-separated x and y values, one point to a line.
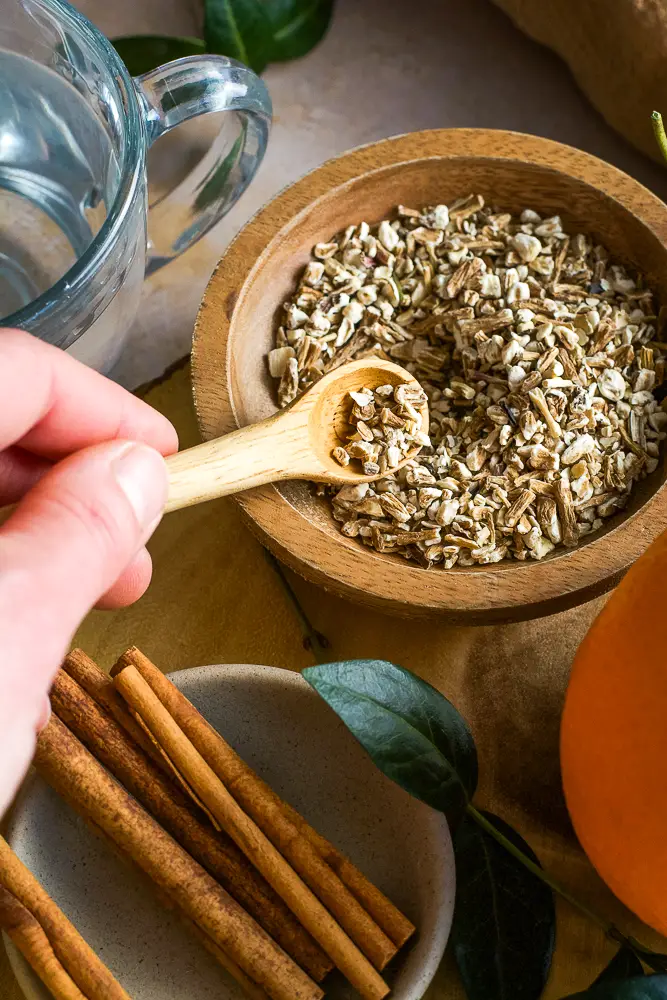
295	443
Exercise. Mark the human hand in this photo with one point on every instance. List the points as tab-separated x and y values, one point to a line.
83	458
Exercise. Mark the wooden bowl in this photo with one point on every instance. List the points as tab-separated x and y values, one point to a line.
237	319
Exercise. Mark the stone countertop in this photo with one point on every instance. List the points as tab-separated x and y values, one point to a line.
379	72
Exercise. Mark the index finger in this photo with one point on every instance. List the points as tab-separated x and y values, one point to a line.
52	405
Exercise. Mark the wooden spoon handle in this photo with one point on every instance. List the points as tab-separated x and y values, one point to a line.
274	449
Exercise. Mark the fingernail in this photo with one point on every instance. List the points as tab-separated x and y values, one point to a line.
142	476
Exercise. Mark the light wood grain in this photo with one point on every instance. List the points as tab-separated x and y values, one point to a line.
296	443
237	318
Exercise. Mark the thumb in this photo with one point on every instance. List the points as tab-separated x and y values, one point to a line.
67	543
60	551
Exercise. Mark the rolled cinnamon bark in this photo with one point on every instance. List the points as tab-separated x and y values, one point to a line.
278	820
394	923
216	852
29	937
99	686
250	988
245	832
74	954
82	781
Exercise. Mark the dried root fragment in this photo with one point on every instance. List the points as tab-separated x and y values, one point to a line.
539	358
385	425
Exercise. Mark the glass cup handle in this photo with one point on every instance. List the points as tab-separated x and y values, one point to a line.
184	89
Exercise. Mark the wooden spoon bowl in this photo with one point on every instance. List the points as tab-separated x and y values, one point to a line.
329	414
294	443
238	317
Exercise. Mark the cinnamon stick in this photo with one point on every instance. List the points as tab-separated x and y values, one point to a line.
74	954
269	815
262	803
249	987
245	832
99	686
394	923
76	775
29	937
216	852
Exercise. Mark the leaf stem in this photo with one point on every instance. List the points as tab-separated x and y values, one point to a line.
611	930
659	132
540	873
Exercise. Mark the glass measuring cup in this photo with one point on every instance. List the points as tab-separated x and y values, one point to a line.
76	236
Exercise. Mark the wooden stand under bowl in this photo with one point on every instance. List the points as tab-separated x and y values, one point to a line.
238	317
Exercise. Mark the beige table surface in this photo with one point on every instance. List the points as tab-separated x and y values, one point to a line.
385	68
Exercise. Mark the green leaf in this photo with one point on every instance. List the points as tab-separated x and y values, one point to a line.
210	193
257	32
653	959
240	29
141	53
504	918
623	965
414	735
297	26
637	988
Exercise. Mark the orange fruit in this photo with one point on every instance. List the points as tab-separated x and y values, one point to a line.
614	740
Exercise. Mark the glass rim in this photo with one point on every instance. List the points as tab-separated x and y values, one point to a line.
78	275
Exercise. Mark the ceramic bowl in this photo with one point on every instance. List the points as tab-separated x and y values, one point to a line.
238	316
291	737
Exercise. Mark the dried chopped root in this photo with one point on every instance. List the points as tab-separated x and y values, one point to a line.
538	358
385	425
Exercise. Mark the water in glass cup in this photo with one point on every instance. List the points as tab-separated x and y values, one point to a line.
59	174
74	132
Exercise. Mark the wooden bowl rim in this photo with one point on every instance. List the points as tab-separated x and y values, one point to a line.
567	578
